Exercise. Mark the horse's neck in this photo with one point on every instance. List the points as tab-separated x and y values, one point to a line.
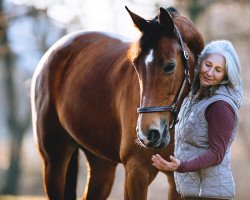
128	91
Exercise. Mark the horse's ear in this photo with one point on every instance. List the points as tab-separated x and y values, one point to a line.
166	21
139	22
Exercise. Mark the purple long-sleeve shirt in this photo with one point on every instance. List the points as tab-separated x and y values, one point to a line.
221	120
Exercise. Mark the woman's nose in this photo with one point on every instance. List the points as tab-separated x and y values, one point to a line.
209	72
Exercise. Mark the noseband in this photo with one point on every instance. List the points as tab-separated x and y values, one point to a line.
186	79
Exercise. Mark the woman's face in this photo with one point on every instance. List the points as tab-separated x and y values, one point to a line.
212	70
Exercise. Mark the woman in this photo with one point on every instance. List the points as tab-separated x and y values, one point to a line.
207	126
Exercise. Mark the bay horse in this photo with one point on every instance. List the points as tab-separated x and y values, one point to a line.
85	94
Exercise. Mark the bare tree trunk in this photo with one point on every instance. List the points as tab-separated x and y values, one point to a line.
15	128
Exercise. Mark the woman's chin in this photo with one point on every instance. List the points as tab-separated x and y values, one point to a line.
205	84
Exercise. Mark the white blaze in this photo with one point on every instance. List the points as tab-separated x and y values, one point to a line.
149	58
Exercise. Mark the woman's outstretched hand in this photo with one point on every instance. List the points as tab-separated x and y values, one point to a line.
164	165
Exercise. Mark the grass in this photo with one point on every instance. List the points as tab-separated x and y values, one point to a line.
8	197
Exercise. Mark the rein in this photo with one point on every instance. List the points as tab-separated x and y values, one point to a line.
186	79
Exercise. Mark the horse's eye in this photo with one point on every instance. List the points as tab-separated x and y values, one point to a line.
168	67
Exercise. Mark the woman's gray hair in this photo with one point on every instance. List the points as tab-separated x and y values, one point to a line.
226	49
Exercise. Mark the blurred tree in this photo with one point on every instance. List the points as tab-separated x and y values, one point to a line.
16	128
18	125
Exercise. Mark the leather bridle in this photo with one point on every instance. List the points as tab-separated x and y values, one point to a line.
186	79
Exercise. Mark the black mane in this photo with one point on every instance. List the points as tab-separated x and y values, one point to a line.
151	35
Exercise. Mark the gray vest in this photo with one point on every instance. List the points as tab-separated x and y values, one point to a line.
191	140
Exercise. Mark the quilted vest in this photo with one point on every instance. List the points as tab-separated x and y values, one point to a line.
191	140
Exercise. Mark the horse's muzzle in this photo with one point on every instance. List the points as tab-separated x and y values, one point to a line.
154	138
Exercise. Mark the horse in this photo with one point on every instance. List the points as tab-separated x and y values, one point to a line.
84	96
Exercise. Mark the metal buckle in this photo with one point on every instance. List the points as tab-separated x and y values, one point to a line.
186	55
173	108
188	79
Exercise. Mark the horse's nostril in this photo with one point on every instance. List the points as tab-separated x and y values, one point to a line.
153	135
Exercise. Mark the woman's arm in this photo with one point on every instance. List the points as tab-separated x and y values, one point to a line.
221	120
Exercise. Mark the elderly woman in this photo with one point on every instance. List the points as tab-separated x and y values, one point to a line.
207	127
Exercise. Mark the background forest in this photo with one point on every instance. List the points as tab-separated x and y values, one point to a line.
29	27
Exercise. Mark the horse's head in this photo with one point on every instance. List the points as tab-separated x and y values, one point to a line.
164	59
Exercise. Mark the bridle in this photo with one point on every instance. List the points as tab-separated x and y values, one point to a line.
186	79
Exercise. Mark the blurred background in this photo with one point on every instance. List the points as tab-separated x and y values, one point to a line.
29	27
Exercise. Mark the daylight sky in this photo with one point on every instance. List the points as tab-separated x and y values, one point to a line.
105	15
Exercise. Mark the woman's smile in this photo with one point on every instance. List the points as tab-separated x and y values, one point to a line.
206	80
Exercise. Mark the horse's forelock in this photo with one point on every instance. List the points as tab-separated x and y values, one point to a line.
151	35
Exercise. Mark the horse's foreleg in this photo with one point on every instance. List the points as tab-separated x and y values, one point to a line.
100	178
137	179
172	193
